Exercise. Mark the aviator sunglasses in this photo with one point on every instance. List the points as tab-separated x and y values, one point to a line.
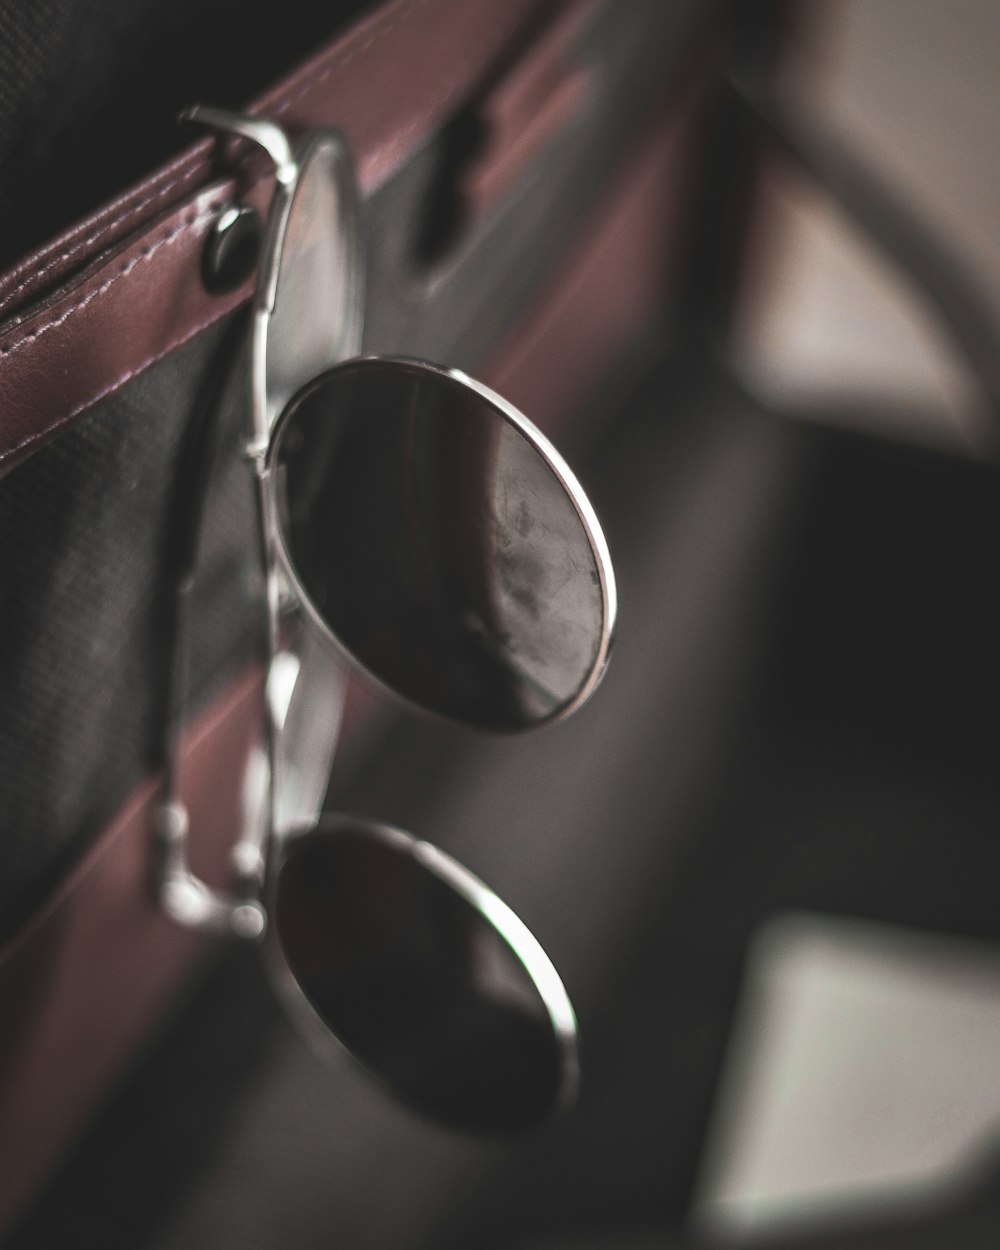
414	524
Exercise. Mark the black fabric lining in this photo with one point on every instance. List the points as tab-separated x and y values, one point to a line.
84	613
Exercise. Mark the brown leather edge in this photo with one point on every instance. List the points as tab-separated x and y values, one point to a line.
140	204
80	985
387	84
609	291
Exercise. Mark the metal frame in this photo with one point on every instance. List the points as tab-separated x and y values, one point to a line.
255	860
556	465
187	899
499	916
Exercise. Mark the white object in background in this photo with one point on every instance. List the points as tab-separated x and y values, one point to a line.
863	1077
908	87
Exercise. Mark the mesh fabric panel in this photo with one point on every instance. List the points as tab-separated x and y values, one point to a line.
84	614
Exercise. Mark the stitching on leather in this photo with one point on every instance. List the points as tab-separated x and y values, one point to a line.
50	430
345	57
198	218
105	228
337	62
191	221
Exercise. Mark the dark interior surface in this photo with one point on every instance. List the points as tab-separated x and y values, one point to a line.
794	718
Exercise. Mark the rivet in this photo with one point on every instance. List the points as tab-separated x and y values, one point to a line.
231	249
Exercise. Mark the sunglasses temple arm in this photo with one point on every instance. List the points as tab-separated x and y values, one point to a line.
185	898
258	130
249	857
275	143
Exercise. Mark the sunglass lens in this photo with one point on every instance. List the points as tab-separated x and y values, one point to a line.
418	982
443	543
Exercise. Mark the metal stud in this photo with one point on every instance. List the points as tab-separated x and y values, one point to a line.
232	249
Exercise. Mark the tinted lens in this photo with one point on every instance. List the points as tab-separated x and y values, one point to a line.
425	976
443	542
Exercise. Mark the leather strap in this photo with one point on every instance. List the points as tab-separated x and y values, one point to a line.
124	282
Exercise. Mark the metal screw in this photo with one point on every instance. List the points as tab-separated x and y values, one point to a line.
231	249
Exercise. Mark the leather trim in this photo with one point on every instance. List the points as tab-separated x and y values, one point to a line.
388	84
80	985
609	291
531	103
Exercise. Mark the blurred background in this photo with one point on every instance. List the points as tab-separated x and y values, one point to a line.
765	856
904	89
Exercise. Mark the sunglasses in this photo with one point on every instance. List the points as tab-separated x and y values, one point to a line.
416	526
